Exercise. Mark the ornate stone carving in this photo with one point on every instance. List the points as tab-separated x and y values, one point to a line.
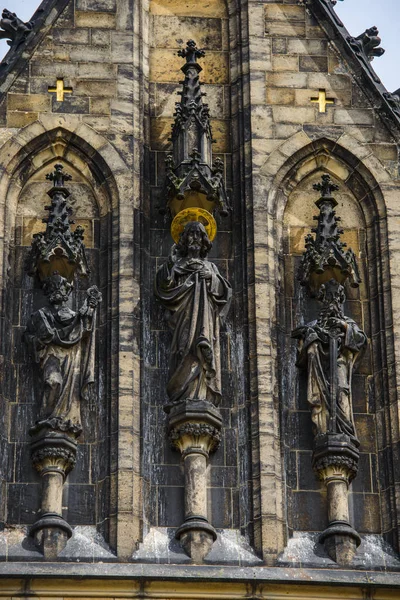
328	348
195	430
199	435
197	298
394	101
325	256
191	177
62	344
53	457
13	29
367	45
58	248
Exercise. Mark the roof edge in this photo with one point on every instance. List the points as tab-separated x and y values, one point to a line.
16	58
382	100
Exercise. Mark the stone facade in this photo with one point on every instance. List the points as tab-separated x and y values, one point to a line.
268	68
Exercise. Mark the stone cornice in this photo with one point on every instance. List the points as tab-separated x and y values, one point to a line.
185	573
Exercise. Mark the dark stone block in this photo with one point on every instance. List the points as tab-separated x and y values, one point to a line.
308	480
365	512
359	394
170	505
167	475
300	430
366	432
22	418
103	500
80	474
70	104
24	470
316	64
23	503
97	6
309	511
362	483
223	476
220	501
80	501
291	469
231	446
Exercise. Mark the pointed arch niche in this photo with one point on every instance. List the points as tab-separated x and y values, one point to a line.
364	220
217	27
94	200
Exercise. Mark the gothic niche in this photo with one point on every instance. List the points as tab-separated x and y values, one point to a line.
197	299
328	348
61	344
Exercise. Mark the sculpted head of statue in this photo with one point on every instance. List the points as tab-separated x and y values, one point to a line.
194	240
57	288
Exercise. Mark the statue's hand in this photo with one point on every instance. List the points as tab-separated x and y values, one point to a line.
205	275
339	323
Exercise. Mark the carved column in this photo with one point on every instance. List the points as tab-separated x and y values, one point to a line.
197	299
195	431
53	456
328	348
335	459
62	344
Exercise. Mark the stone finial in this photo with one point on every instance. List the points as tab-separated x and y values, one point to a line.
191	53
58	248
326	187
366	45
13	29
325	256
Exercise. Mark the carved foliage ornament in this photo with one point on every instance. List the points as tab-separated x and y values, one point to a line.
54	457
197	431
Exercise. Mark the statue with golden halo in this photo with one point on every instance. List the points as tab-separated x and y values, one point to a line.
197	298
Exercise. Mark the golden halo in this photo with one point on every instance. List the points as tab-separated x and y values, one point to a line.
193	214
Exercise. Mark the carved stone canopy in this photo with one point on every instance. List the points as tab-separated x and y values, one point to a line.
13	29
58	248
192	179
325	256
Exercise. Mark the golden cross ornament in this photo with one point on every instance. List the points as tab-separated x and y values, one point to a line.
322	101
60	90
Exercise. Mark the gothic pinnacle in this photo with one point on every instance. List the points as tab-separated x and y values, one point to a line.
58	248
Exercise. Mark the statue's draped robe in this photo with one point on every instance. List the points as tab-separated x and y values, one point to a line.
62	343
314	356
196	309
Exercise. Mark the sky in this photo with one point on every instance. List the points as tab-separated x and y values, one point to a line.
357	15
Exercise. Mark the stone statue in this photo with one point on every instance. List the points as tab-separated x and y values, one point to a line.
197	298
328	349
62	343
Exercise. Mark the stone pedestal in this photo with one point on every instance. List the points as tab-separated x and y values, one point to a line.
335	459
195	431
53	456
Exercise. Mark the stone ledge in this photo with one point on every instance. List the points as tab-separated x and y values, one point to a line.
154	572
